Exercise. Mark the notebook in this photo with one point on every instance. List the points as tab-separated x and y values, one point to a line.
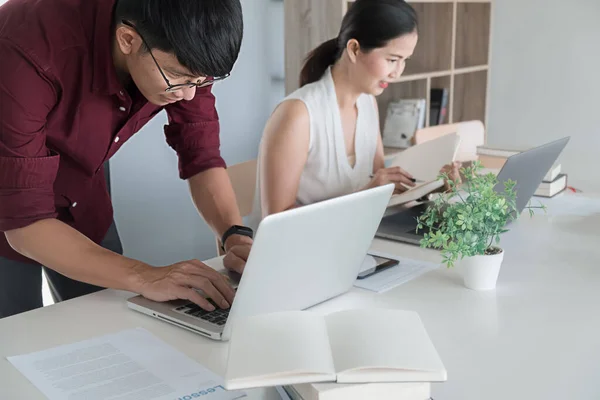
352	346
424	162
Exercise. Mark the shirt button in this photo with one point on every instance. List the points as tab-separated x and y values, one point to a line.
122	109
117	139
74	205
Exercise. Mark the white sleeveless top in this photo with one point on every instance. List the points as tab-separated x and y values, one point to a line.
328	172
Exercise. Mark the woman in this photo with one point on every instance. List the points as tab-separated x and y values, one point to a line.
323	140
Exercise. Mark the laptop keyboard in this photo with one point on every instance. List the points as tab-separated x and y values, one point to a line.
420	232
217	317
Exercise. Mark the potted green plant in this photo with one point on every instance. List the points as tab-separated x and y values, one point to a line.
465	223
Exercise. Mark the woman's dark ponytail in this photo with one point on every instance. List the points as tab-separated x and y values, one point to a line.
372	23
318	61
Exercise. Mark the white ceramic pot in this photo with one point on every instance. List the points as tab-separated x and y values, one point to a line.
481	272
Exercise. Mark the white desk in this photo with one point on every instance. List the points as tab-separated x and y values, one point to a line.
537	336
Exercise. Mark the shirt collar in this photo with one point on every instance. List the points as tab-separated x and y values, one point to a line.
105	79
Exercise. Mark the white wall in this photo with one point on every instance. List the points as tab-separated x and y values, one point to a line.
156	218
545	82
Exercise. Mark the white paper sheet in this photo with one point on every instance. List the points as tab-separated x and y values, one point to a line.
128	365
385	280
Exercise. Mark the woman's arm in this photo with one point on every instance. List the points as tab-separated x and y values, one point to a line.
283	154
379	161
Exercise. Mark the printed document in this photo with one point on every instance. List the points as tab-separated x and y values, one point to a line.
128	365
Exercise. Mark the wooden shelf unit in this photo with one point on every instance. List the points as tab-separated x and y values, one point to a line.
453	51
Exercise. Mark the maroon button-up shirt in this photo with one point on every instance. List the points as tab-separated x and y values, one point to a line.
63	113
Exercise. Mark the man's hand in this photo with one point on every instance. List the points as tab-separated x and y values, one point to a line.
180	281
237	248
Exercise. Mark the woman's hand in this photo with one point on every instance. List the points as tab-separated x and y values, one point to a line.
453	171
395	175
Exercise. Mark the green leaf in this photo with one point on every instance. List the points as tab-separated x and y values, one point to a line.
466	222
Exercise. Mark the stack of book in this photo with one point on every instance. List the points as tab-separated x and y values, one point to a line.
340	391
492	159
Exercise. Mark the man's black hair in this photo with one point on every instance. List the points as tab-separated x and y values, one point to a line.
204	35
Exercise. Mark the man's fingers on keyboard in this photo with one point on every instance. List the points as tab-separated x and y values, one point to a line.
195	297
207	281
223	285
220	281
211	291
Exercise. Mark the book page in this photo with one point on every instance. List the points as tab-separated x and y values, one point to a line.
415	193
279	349
381	345
424	161
131	364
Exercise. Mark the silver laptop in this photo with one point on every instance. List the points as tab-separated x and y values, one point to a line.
299	258
527	169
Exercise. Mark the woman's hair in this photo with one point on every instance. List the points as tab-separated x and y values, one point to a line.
204	35
373	23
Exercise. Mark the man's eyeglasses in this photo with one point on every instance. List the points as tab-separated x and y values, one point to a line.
174	88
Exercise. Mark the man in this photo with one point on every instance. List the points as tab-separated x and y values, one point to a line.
77	79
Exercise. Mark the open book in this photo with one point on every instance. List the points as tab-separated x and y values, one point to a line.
353	346
424	162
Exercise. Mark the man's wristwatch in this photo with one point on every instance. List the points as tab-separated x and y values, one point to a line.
236	230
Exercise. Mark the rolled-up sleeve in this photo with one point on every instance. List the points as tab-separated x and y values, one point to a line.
27	167
193	132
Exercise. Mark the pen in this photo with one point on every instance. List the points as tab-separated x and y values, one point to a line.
412	179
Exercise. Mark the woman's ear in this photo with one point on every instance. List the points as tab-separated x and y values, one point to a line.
353	47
